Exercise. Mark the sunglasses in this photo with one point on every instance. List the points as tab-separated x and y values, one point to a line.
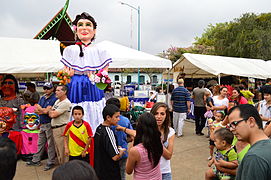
46	88
8	82
235	123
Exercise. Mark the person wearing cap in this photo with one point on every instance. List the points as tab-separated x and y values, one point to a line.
46	133
180	100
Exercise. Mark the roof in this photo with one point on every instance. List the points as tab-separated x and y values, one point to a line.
29	55
59	27
125	57
203	66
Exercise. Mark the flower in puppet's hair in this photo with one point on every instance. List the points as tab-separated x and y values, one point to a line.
74	28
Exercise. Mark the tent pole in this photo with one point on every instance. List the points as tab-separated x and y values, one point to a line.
167	87
218	78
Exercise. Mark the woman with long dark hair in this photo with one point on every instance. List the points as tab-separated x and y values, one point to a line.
237	97
144	157
161	113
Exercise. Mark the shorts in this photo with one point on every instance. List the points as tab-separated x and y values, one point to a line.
86	158
221	175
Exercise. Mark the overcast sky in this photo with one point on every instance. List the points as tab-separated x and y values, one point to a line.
164	23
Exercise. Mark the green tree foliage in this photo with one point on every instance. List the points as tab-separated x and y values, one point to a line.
248	36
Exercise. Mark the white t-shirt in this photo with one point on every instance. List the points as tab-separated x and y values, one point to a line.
264	110
220	102
165	164
64	109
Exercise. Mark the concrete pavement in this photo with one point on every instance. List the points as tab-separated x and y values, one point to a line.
189	161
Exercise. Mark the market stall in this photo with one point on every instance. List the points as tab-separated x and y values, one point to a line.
207	66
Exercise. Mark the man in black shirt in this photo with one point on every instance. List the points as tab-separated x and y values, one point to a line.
106	151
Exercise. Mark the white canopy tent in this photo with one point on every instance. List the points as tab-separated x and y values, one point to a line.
29	55
41	56
205	66
125	57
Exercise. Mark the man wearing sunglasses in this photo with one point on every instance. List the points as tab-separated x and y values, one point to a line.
46	134
246	125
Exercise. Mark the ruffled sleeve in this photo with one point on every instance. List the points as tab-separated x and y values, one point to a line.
67	56
95	58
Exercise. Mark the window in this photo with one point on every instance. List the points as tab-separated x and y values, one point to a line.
117	78
129	79
154	79
141	79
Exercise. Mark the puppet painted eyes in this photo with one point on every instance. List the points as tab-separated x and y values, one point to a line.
31	120
87	24
31	116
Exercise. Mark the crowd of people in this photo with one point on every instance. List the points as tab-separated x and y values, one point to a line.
78	125
89	136
234	149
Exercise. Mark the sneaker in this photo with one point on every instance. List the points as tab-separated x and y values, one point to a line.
48	167
31	163
200	134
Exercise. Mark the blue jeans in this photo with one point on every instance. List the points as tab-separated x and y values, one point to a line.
122	163
167	176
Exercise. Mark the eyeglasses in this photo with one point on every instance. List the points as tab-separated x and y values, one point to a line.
235	123
8	82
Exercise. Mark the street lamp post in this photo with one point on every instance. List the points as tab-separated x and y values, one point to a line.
138	33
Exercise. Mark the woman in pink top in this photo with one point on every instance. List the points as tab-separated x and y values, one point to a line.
238	97
145	156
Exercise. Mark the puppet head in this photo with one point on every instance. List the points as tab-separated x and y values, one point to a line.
9	86
31	119
7	119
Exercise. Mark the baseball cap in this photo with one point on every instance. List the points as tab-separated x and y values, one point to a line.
48	85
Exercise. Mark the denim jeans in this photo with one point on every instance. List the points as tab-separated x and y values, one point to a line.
122	163
167	176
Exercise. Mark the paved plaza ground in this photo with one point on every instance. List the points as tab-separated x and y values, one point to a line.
189	161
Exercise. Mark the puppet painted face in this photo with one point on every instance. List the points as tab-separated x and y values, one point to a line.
85	30
7	118
31	120
8	88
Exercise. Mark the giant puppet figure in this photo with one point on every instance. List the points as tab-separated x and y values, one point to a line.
30	133
10	88
10	113
81	61
7	119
